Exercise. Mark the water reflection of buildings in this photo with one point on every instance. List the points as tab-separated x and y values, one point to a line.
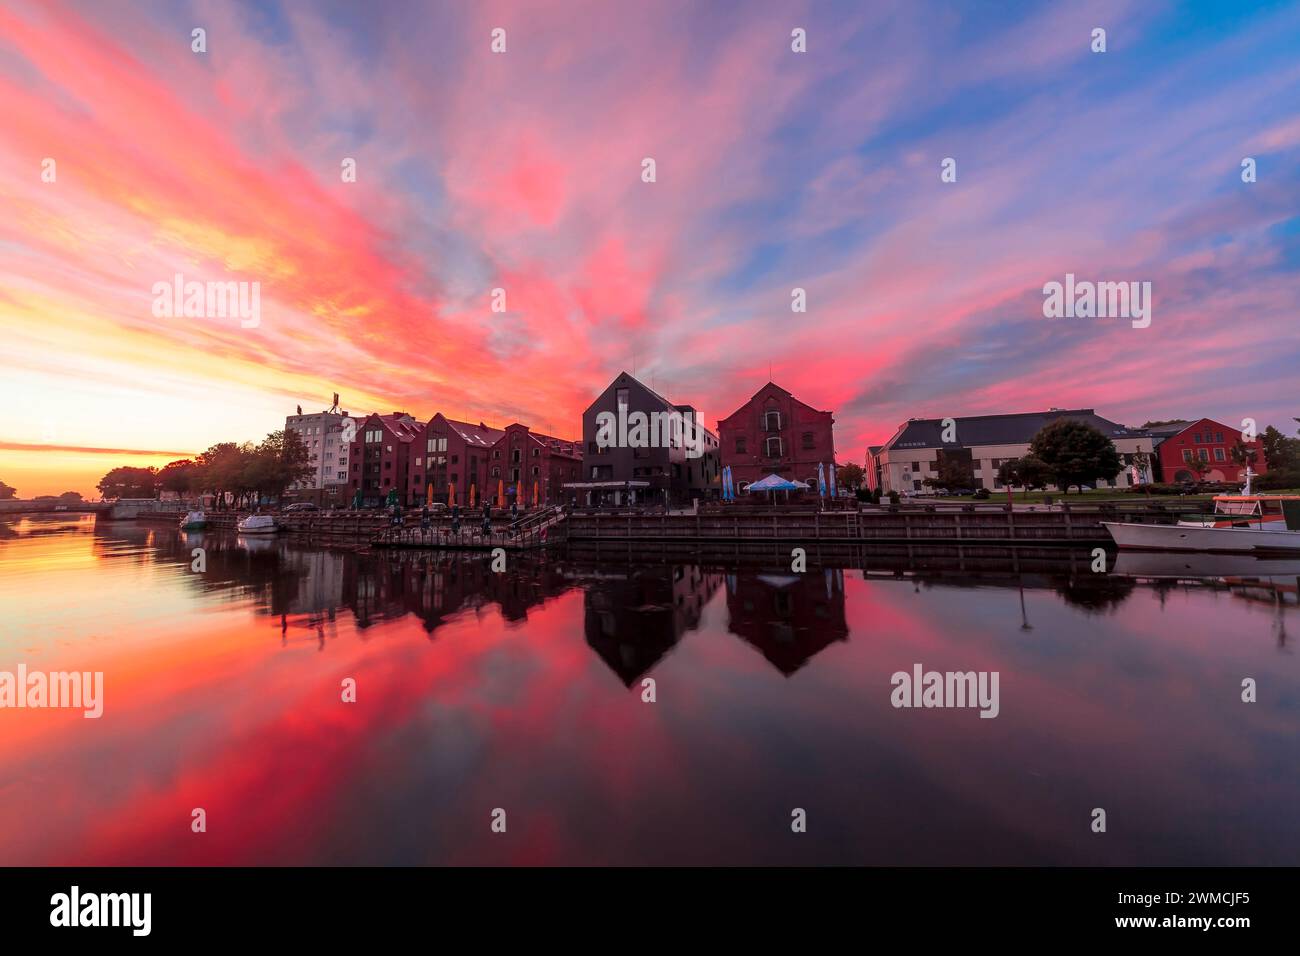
434	586
637	615
789	618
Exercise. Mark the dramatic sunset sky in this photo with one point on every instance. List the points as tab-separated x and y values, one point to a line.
523	171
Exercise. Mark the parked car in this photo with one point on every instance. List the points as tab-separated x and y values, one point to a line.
299	506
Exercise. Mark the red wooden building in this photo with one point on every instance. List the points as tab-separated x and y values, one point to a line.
775	433
1209	441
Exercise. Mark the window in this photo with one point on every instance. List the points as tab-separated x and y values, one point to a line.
417	481
916	466
740	446
1187	454
418	462
1197	438
1218	436
536	471
374	435
537	453
496	472
808	441
514	455
436	444
621	397
774	448
1203	454
772	421
453	459
496	454
1219	455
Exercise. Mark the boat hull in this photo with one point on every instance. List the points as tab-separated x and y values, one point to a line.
249	526
1164	537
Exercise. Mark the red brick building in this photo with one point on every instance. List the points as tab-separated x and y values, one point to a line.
1206	440
533	459
775	433
379	456
450	452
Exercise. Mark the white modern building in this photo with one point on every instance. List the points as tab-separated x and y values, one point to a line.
912	454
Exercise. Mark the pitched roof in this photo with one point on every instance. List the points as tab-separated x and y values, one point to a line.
480	434
1017	429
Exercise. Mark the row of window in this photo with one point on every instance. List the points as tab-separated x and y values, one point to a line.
1204	454
1218	437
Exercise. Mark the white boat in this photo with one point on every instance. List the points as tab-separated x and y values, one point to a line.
258	524
194	521
1188	564
1240	524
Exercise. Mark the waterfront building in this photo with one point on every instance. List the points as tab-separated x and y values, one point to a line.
776	434
452	453
380	456
912	454
521	456
327	438
1178	443
658	465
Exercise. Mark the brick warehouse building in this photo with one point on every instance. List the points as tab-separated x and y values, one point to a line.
379	456
450	452
522	456
1177	443
775	433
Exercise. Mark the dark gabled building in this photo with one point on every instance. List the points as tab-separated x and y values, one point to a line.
619	468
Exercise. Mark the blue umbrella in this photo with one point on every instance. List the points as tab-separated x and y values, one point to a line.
821	480
831	469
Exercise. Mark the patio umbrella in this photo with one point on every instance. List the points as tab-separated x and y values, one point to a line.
821	480
428	499
536	497
772	483
519	491
831	469
501	493
451	494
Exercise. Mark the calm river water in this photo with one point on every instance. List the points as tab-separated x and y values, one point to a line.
524	692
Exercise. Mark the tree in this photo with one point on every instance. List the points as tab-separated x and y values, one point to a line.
280	461
1198	467
1280	452
954	472
126	482
1027	472
71	498
218	470
178	476
850	476
6	492
1075	453
1243	454
1141	462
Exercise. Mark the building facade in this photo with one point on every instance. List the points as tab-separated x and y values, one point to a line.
380	457
912	455
651	464
327	437
775	433
1178	444
452	457
540	464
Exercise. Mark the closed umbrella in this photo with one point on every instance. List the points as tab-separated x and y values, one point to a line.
501	493
429	494
831	469
821	480
536	494
472	489
451	494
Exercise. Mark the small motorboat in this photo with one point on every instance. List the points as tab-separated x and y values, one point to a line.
258	524
194	521
1241	524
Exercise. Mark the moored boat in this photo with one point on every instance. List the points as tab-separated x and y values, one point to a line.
1240	524
194	521
258	524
